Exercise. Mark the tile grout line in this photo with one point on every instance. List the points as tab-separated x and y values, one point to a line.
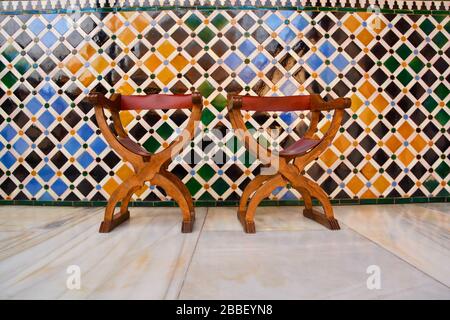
192	255
395	255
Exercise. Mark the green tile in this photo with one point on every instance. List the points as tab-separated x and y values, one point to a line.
207	117
385	201
368	201
10	53
151	145
427	26
419	200
22	66
219	102
440	39
220	186
206	172
430	184
206	89
9	79
193	185
219	21
391	64
441	91
403	51
404	77
416	64
442	116
206	35
430	104
193	22
442	170
402	200
165	131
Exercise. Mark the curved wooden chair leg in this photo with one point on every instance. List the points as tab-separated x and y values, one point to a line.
307	199
126	201
112	220
187	195
176	194
249	189
247	218
328	220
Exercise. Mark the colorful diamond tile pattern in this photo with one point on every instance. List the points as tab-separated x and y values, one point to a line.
394	142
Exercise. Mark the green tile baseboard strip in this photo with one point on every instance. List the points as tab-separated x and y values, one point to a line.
230	8
203	203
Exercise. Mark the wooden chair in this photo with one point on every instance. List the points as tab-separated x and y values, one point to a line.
292	160
147	166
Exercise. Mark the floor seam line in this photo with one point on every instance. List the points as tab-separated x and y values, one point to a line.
192	255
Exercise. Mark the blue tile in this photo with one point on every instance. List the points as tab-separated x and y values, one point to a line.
98	145
233	61
300	23
46	173
36	26
33	186
62	26
247	74
49	39
8	159
273	21
340	62
47	92
85	159
59	105
260	61
46	197
34	105
46	119
327	49
288	117
287	35
85	132
59	187
8	133
288	88
21	146
328	75
247	47
72	146
314	61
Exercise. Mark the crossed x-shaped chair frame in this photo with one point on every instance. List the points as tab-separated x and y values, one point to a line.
147	167
292	160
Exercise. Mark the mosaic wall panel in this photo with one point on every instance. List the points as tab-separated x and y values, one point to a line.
394	142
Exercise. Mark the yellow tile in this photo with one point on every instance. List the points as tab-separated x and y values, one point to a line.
110	186
356	102
140	23
380	103
369	171
86	78
165	76
152	63
328	157
393	144
127	36
126	89
341	143
368	194
87	51
365	37
405	130
127	14
367	116
355	185
381	184
324	128
124	172
126	117
166	49
114	23
179	62
377	24
364	15
419	143
366	89
352	23
73	65
406	157
100	64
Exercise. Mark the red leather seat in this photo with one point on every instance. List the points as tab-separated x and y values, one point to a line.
299	147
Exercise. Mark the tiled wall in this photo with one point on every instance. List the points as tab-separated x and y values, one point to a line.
394	142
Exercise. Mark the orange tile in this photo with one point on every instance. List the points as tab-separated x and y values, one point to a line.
126	117
100	64
124	172
418	143
86	78
179	62
352	23
367	89
165	76
114	23
329	157
365	37
152	63
406	130
380	103
367	116
73	65
369	171
110	186
166	49
406	157
355	185
140	23
341	143
368	194
381	184
87	51
126	89
127	36
393	144
356	102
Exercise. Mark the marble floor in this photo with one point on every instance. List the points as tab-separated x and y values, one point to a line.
290	257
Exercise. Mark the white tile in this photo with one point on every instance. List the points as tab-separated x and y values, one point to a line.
287	218
145	258
300	265
419	235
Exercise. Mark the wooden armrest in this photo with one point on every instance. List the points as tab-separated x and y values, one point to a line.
318	104
99	99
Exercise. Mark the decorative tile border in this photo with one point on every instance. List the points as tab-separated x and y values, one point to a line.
64	6
393	143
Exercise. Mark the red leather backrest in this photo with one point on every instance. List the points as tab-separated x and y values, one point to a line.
156	101
292	103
